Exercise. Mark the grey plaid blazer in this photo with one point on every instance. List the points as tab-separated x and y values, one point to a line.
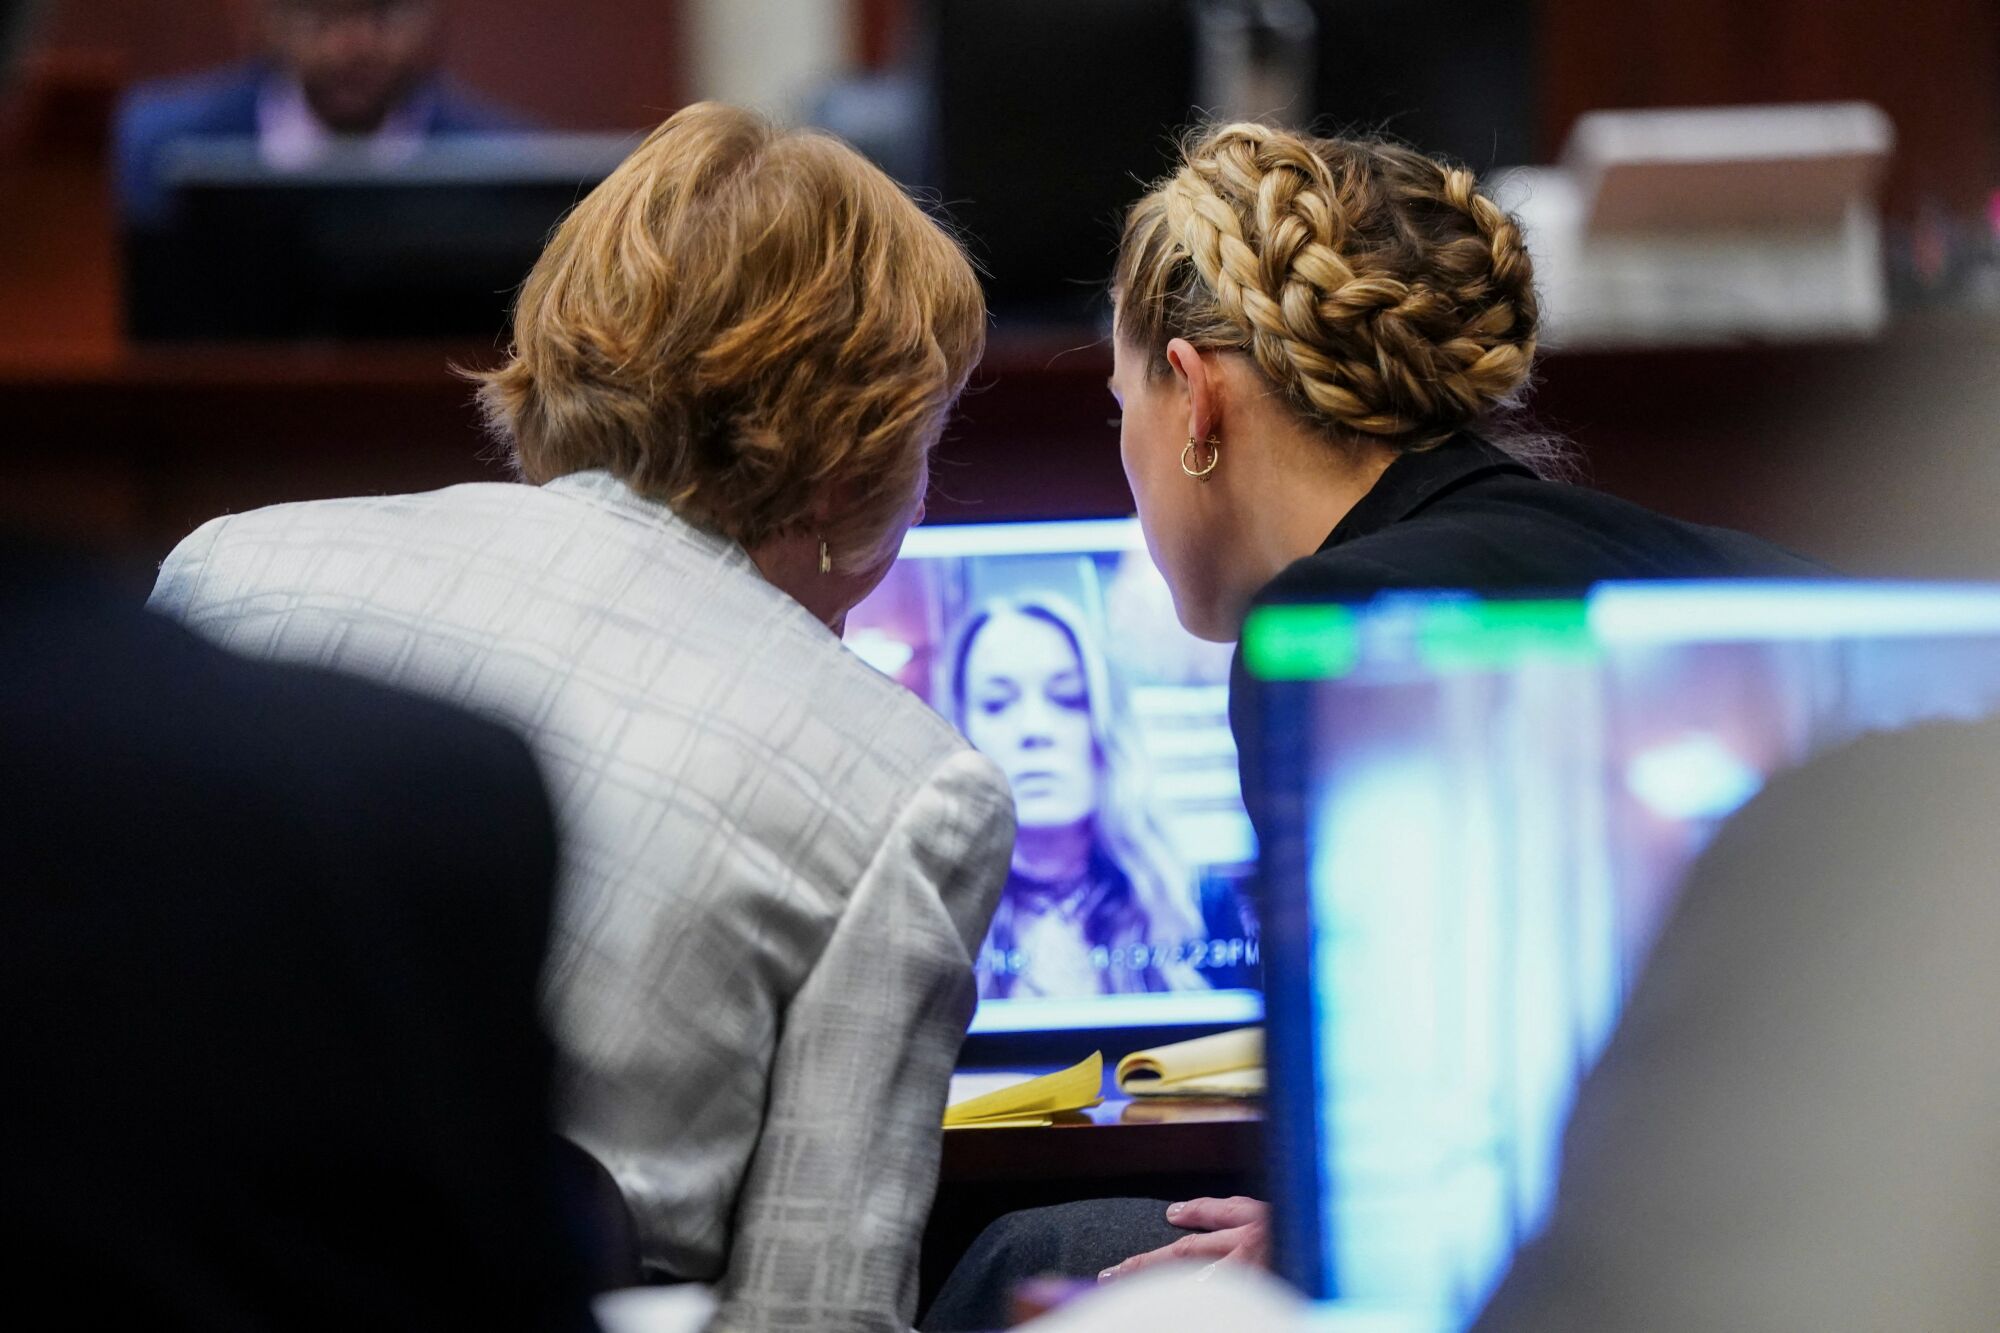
777	863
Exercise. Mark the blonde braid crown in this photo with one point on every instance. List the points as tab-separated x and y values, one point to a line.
1377	287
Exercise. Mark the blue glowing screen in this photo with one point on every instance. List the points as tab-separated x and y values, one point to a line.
1480	812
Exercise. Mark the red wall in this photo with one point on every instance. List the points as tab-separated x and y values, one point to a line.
1933	65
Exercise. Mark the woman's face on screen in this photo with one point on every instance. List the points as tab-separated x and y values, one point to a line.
1027	707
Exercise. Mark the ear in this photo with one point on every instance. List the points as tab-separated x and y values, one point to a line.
1196	371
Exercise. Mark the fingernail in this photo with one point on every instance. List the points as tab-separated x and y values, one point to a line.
1174	1209
1105	1276
1208	1272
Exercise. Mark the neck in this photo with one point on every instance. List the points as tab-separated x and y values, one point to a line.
790	564
1052	855
1299	487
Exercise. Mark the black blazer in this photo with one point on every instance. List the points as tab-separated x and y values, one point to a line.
1467	515
270	942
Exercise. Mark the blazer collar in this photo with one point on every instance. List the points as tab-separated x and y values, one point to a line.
600	489
1418	478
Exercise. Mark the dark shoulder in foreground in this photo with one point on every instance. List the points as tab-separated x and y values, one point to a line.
282	934
103	705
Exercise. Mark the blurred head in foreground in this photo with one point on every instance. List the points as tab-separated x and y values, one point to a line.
1291	314
355	60
757	328
1793	1125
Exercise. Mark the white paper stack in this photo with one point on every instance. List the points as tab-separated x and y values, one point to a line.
1664	228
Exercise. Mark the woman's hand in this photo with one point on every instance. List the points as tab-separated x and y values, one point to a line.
1221	1230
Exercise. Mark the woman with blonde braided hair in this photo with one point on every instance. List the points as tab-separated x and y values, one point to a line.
1320	348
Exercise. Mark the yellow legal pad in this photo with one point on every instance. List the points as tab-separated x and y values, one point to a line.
1032	1101
1228	1064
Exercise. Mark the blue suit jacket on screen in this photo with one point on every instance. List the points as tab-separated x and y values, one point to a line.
223	104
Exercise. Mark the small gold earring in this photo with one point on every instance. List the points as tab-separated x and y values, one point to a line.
1214	457
825	558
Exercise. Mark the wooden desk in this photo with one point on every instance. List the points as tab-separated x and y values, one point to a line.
1122	1149
1123	1139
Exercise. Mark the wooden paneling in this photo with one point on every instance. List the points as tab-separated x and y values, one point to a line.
1934	66
151	39
59	269
578	64
1877	458
881	32
1843	451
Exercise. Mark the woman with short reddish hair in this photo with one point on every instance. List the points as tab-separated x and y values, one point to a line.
728	371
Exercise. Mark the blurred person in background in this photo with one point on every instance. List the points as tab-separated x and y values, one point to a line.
1094	903
362	72
729	369
270	949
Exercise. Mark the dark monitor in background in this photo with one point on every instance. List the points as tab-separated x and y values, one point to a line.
1048	116
1454	78
430	246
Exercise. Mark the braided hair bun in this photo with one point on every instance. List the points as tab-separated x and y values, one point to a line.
1377	287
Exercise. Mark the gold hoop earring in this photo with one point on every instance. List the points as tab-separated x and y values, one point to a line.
1214	457
825	558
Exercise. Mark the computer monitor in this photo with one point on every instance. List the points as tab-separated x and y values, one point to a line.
1477	813
1450	77
1046	117
429	245
1055	648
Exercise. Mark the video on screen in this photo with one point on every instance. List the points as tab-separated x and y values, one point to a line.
1054	648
